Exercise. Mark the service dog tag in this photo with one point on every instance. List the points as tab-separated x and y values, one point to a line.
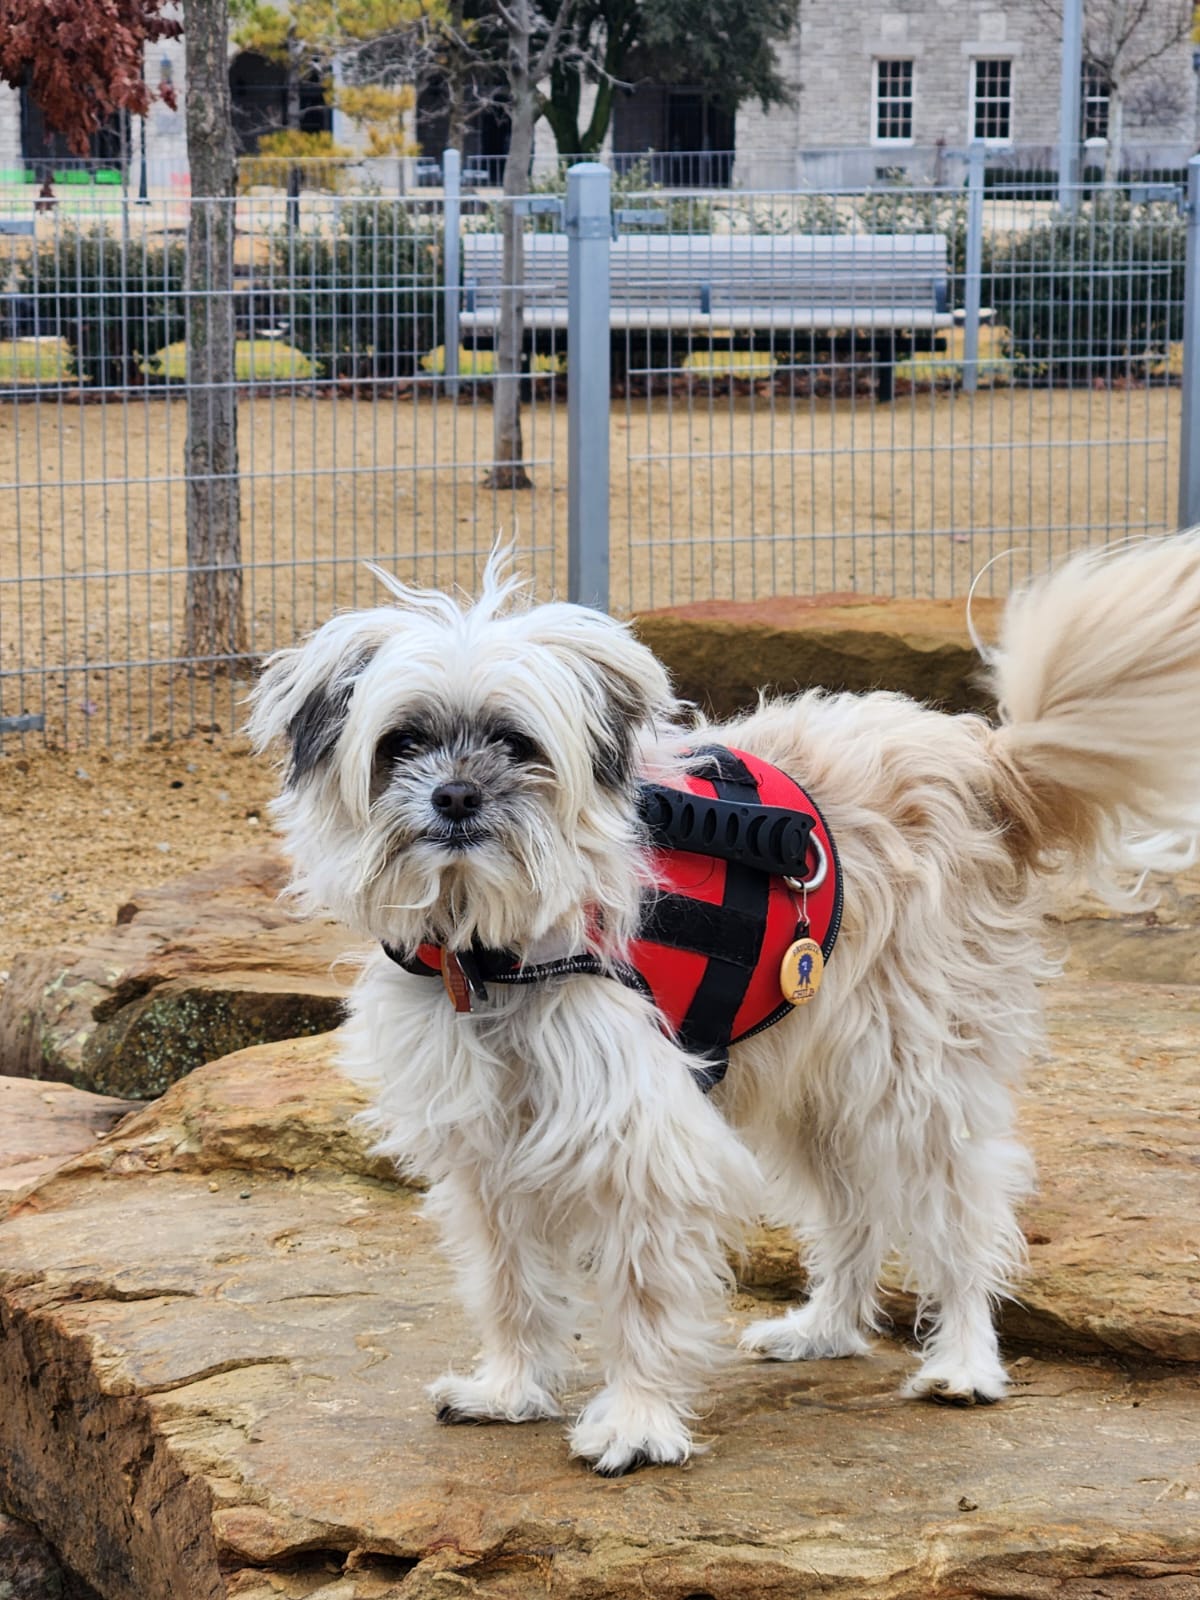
801	971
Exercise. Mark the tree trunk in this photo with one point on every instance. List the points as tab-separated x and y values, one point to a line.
295	177
456	83
508	450
215	626
1116	134
292	83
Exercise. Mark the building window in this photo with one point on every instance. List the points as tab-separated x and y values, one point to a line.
991	101
1094	102
893	116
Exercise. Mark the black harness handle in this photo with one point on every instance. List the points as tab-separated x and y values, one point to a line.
770	839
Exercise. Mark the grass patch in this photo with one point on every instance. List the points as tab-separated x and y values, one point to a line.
36	361
254	360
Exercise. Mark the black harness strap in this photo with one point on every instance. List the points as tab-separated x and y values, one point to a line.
720	996
714	931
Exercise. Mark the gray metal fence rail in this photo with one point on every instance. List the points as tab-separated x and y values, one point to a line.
724	395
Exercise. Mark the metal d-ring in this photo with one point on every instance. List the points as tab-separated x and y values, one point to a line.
807	885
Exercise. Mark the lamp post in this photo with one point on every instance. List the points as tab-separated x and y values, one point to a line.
166	76
143	199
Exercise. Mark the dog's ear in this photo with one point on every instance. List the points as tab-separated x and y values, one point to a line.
304	694
629	685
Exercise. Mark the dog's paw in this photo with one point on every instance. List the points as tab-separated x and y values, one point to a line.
796	1336
481	1400
616	1436
958	1385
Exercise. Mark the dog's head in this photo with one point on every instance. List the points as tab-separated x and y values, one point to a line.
459	772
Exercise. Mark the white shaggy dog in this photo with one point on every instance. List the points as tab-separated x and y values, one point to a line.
467	775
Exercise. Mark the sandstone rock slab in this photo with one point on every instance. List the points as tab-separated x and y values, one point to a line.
223	1317
251	1374
190	972
42	1125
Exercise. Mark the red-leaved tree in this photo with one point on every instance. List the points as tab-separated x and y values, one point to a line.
83	59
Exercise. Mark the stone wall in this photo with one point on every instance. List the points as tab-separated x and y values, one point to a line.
830	63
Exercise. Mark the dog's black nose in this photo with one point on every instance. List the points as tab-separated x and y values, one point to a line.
456	800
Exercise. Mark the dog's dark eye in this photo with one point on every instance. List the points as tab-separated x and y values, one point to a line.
397	745
519	745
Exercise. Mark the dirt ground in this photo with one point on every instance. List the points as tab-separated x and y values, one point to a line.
79	832
714	494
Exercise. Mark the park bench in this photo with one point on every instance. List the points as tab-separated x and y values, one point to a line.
864	296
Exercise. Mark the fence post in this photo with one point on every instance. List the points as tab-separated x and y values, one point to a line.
587	221
1070	87
1189	443
974	277
451	210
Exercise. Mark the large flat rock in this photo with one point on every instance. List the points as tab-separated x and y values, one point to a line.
222	1317
189	972
42	1125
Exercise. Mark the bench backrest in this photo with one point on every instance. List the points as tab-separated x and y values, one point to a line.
711	272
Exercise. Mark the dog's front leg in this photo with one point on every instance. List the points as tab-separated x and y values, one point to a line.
511	1283
668	1186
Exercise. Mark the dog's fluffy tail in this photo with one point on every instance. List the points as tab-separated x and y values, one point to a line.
1097	677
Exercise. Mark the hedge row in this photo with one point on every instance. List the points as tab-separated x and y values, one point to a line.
1089	295
363	302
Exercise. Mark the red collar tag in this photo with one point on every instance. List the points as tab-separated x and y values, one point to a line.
456	982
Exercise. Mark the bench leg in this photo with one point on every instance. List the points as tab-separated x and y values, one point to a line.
885	377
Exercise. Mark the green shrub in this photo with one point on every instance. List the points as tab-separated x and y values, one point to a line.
1094	295
113	300
364	302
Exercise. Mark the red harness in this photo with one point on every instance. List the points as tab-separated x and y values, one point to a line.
714	931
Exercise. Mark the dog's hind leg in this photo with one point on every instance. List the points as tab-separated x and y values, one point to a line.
964	1246
513	1285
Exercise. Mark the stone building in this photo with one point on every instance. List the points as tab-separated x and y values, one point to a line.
876	89
907	84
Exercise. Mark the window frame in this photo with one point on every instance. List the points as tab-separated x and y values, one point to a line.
1095	88
995	142
890	141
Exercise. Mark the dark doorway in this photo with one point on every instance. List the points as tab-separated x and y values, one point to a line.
258	92
47	151
678	134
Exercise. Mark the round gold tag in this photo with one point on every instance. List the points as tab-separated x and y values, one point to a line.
801	971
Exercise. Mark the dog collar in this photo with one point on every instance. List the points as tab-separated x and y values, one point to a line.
745	874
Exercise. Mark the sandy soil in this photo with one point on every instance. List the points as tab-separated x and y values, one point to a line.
78	832
714	495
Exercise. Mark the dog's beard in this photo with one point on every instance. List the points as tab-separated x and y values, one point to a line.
505	881
549	857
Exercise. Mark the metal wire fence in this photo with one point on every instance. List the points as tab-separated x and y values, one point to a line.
873	392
